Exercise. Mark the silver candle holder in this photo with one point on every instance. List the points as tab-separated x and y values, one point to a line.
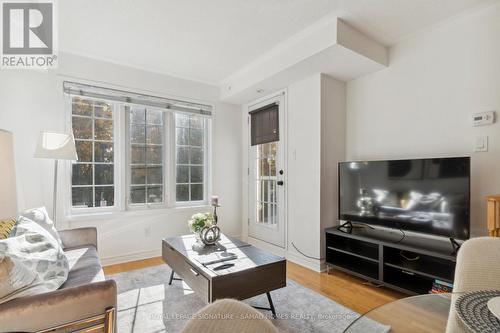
215	204
210	235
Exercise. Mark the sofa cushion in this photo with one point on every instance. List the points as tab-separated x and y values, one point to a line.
31	262
84	267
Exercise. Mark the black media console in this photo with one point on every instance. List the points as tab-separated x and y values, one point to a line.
409	264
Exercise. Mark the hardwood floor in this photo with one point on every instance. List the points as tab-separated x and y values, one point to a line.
130	266
342	288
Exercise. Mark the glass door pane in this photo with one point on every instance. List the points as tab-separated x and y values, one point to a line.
266	203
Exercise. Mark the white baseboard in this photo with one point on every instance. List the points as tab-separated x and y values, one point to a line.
276	250
106	261
315	265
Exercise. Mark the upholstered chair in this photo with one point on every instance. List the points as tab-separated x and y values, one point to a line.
228	316
478	268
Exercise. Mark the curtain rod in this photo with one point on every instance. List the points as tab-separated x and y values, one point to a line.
124	96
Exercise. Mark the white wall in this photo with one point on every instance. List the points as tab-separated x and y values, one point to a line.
421	105
32	101
315	143
304	170
333	118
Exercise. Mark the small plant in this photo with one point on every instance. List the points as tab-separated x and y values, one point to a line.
199	221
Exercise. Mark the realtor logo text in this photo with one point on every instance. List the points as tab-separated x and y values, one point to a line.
28	35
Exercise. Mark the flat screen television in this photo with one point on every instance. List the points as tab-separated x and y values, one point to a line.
423	195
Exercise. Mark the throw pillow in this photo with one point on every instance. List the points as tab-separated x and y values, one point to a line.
40	216
31	262
6	228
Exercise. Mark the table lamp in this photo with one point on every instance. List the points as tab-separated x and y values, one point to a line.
56	146
8	196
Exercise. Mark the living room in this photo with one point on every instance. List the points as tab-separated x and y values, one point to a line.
177	166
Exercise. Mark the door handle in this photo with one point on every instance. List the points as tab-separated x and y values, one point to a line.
280	182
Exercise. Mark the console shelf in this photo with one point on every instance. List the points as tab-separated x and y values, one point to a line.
352	254
409	265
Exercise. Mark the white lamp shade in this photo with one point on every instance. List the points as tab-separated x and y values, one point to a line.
56	146
8	195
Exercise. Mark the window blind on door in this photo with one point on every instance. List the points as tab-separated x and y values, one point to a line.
264	124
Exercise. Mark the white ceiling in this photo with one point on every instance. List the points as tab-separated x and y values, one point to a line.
208	40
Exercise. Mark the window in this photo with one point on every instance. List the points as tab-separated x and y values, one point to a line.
136	150
190	143
93	173
146	133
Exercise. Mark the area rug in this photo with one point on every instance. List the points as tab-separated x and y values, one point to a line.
147	304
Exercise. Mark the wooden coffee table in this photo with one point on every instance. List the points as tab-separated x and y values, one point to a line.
252	273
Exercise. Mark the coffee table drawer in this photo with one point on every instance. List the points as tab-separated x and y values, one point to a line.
250	282
190	274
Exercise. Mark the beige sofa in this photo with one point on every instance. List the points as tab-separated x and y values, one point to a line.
85	300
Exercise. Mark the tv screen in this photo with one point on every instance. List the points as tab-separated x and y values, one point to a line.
423	195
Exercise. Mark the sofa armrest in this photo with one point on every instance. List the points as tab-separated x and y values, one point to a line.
79	237
32	313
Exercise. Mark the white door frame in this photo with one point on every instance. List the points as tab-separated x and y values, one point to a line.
281	98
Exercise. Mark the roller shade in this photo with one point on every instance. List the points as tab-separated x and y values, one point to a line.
264	124
123	96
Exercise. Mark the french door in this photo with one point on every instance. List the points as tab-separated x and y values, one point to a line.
266	206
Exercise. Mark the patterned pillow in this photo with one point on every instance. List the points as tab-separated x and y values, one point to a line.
31	262
6	228
40	216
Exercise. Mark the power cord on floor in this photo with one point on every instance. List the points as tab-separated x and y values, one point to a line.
366	225
305	255
402	237
415	258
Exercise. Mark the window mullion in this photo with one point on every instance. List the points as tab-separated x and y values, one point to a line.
189	161
120	156
93	155
146	200
167	158
128	160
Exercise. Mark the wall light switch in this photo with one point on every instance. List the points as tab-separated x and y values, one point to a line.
481	144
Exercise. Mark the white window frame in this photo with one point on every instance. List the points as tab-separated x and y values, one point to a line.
116	162
166	152
122	171
207	175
